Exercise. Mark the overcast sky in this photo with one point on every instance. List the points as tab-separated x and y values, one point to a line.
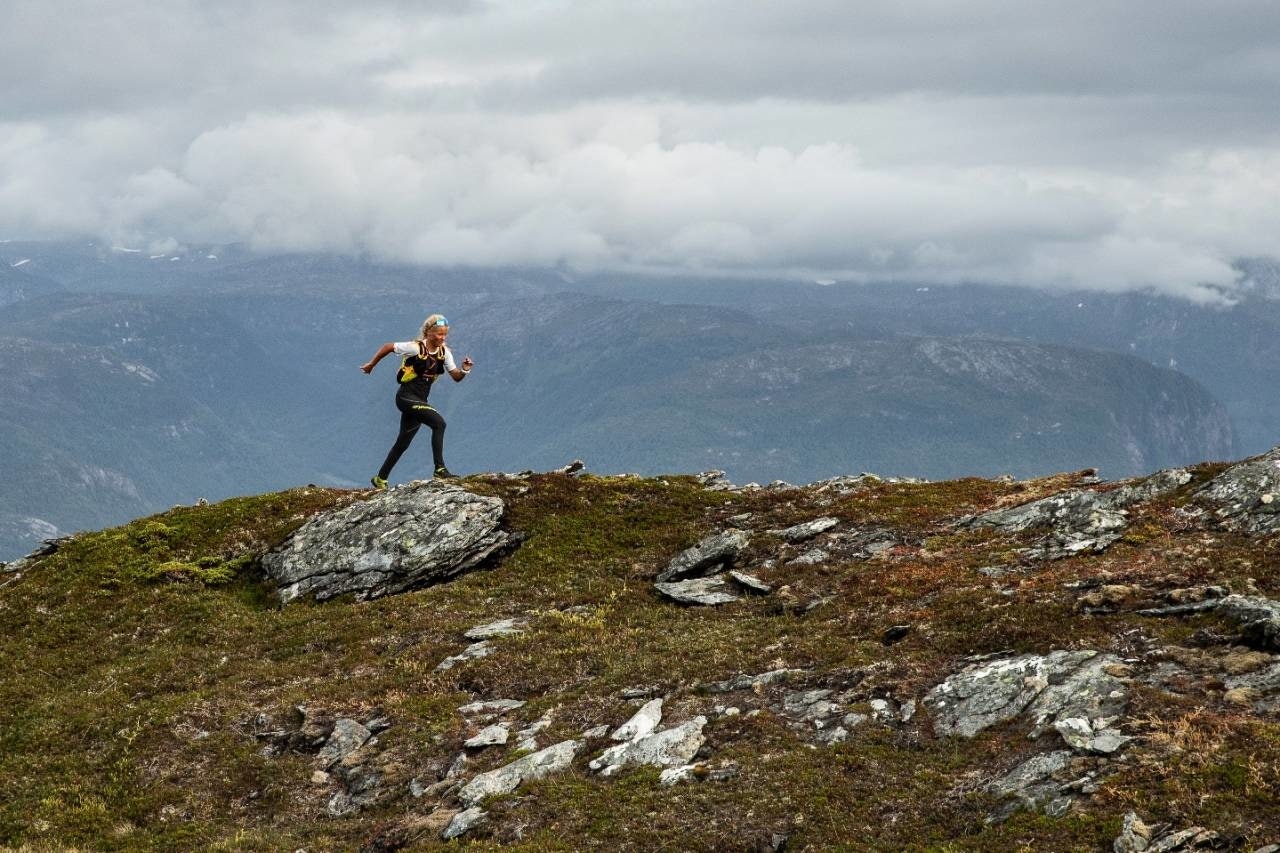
1101	144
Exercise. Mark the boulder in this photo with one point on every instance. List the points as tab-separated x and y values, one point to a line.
463	822
504	780
1049	689
697	591
641	724
713	554
398	540
1080	520
670	748
347	737
1246	496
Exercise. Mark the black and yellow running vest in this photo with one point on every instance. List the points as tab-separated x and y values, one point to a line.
417	372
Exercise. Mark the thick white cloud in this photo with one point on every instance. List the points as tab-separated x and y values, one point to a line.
1114	146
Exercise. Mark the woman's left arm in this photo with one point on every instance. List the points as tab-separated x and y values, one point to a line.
459	375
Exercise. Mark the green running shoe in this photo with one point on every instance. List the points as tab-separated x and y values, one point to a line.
378	482
443	473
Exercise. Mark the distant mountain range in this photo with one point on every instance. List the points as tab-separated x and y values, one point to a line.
131	383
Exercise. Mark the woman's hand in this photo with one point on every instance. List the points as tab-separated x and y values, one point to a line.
367	367
466	363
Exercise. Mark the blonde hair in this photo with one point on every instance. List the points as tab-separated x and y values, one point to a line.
428	323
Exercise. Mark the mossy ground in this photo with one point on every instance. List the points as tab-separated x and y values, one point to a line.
137	658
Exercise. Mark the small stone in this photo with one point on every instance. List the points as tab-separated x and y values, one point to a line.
596	733
642	723
493	706
750	583
320	778
495	735
347	737
811	557
1134	837
1242	696
463	822
895	633
501	628
475	651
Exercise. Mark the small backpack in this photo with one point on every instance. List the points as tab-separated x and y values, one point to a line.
424	364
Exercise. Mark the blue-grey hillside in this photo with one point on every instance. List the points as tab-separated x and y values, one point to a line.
119	404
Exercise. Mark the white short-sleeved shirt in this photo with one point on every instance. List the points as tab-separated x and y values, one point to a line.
411	348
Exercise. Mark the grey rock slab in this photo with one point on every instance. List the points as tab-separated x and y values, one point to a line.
982	695
697	592
750	583
504	780
669	748
1049	688
863	543
501	628
398	540
806	530
475	651
643	723
1246	496
810	558
1080	685
1265	680
1081	520
1134	837
713	554
1258	617
495	735
463	822
715	481
347	737
490	707
696	773
753	682
1030	774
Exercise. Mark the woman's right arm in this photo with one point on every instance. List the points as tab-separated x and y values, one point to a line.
383	351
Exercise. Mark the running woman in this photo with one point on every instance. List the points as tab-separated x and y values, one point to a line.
424	361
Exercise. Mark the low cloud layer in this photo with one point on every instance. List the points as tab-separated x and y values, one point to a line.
1119	149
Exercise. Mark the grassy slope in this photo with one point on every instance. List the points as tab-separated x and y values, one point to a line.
127	645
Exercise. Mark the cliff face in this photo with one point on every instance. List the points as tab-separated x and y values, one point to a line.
551	661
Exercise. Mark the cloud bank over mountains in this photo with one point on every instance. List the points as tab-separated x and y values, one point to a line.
1112	146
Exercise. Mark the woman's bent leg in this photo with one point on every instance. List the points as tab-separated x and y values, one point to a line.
409	424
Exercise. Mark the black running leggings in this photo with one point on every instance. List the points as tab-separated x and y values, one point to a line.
413	414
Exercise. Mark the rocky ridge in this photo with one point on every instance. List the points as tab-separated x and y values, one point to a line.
1090	665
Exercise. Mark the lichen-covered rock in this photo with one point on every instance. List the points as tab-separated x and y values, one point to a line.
504	780
495	735
1047	689
1081	520
475	651
697	591
1246	496
347	737
670	748
398	540
501	628
1258	617
641	724
1031	785
713	554
463	822
806	530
